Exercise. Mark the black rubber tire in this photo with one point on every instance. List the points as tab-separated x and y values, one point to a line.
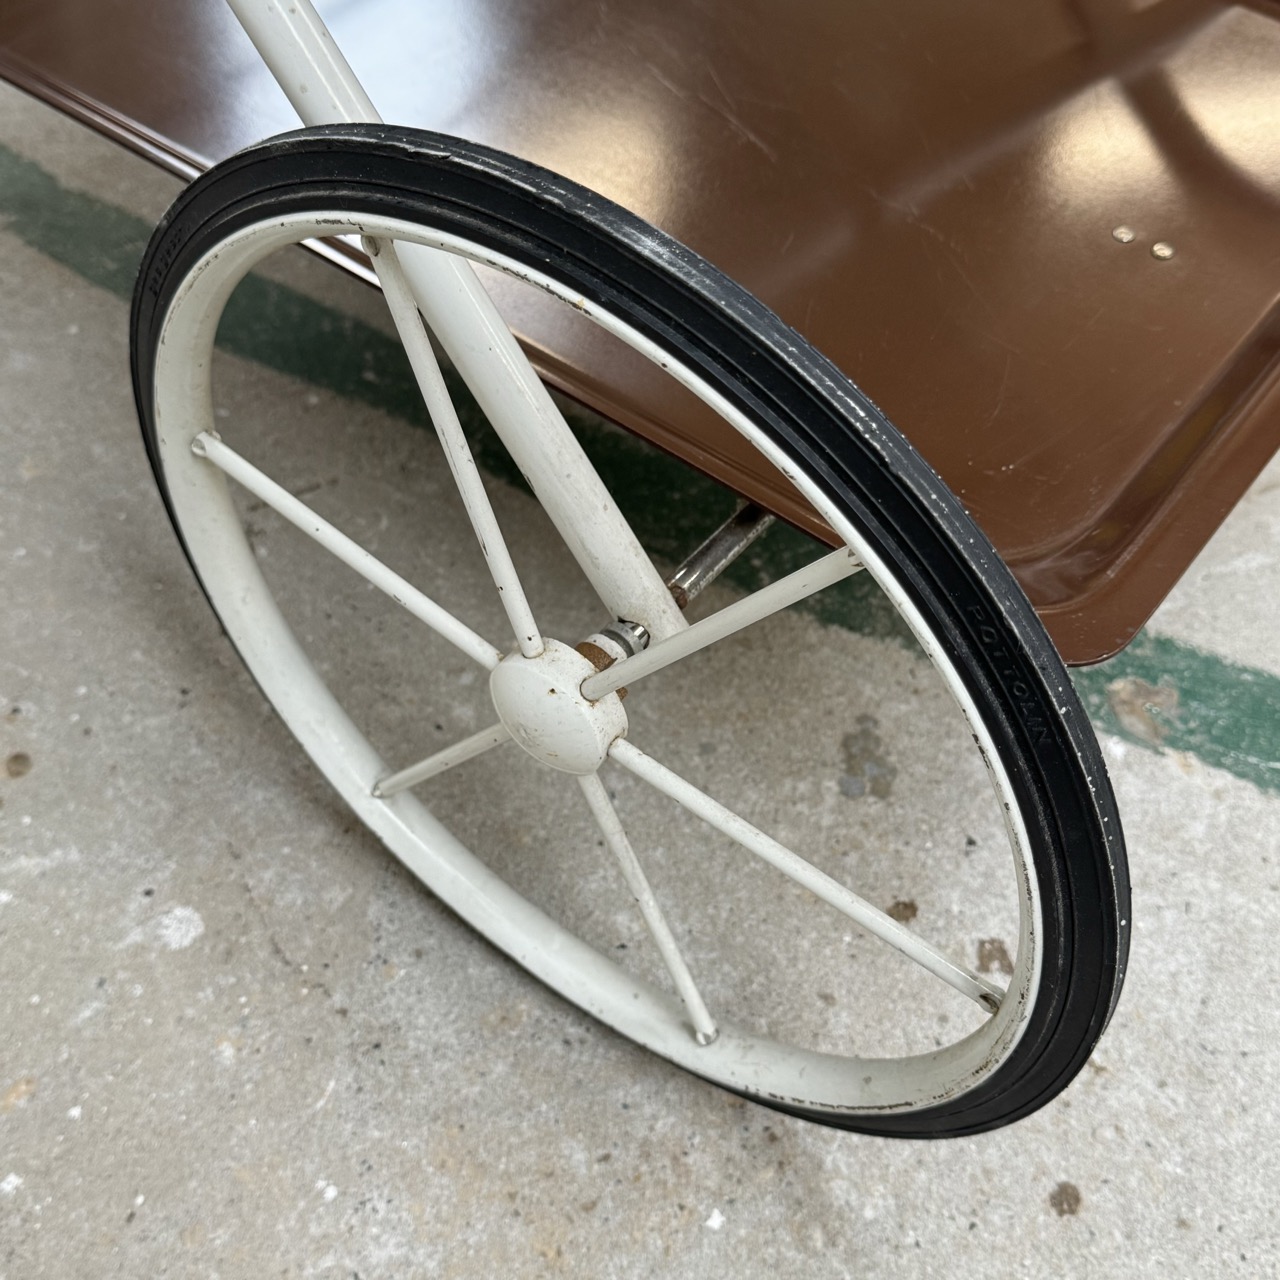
831	431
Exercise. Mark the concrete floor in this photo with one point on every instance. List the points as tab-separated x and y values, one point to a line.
238	1040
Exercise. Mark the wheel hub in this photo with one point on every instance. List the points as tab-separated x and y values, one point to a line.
540	701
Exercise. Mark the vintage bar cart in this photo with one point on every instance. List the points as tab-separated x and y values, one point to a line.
1043	237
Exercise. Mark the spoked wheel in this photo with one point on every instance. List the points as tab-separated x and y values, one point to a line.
799	943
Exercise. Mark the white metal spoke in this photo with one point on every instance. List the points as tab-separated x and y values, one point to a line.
742	613
872	919
333	540
610	825
444	416
476	745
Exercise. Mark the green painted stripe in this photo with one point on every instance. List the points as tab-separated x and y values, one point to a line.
100	243
1158	693
670	507
1161	693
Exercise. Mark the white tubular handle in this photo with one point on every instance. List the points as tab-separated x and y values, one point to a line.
316	78
462	315
299	51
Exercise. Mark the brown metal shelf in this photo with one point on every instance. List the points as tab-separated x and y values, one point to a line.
926	191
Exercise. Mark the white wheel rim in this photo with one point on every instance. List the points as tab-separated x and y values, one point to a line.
654	1017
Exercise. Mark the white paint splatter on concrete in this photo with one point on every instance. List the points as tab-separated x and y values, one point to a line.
716	1221
327	1190
176	929
75	1113
90	1010
36	865
10	1184
180	927
5	897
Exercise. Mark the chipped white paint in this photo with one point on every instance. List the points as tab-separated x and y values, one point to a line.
542	704
716	1221
10	1184
74	1113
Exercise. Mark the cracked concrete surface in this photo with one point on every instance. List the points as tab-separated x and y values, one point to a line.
237	1039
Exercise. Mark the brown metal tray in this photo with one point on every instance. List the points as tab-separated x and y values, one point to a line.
927	191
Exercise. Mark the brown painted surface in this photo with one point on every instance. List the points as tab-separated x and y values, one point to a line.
926	190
